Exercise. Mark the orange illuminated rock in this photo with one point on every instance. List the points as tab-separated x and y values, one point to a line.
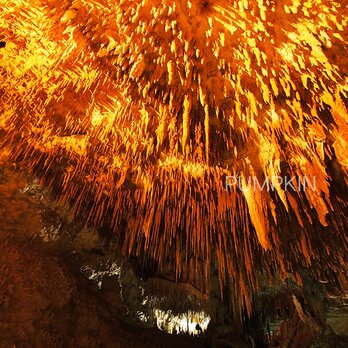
136	111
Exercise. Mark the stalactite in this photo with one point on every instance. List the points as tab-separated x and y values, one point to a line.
135	112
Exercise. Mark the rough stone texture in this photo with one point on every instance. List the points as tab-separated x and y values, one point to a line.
45	301
337	319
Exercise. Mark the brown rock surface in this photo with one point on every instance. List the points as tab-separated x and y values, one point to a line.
45	301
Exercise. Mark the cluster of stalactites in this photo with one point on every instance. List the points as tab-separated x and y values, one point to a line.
137	111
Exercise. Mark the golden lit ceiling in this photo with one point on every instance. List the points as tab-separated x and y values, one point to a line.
136	111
